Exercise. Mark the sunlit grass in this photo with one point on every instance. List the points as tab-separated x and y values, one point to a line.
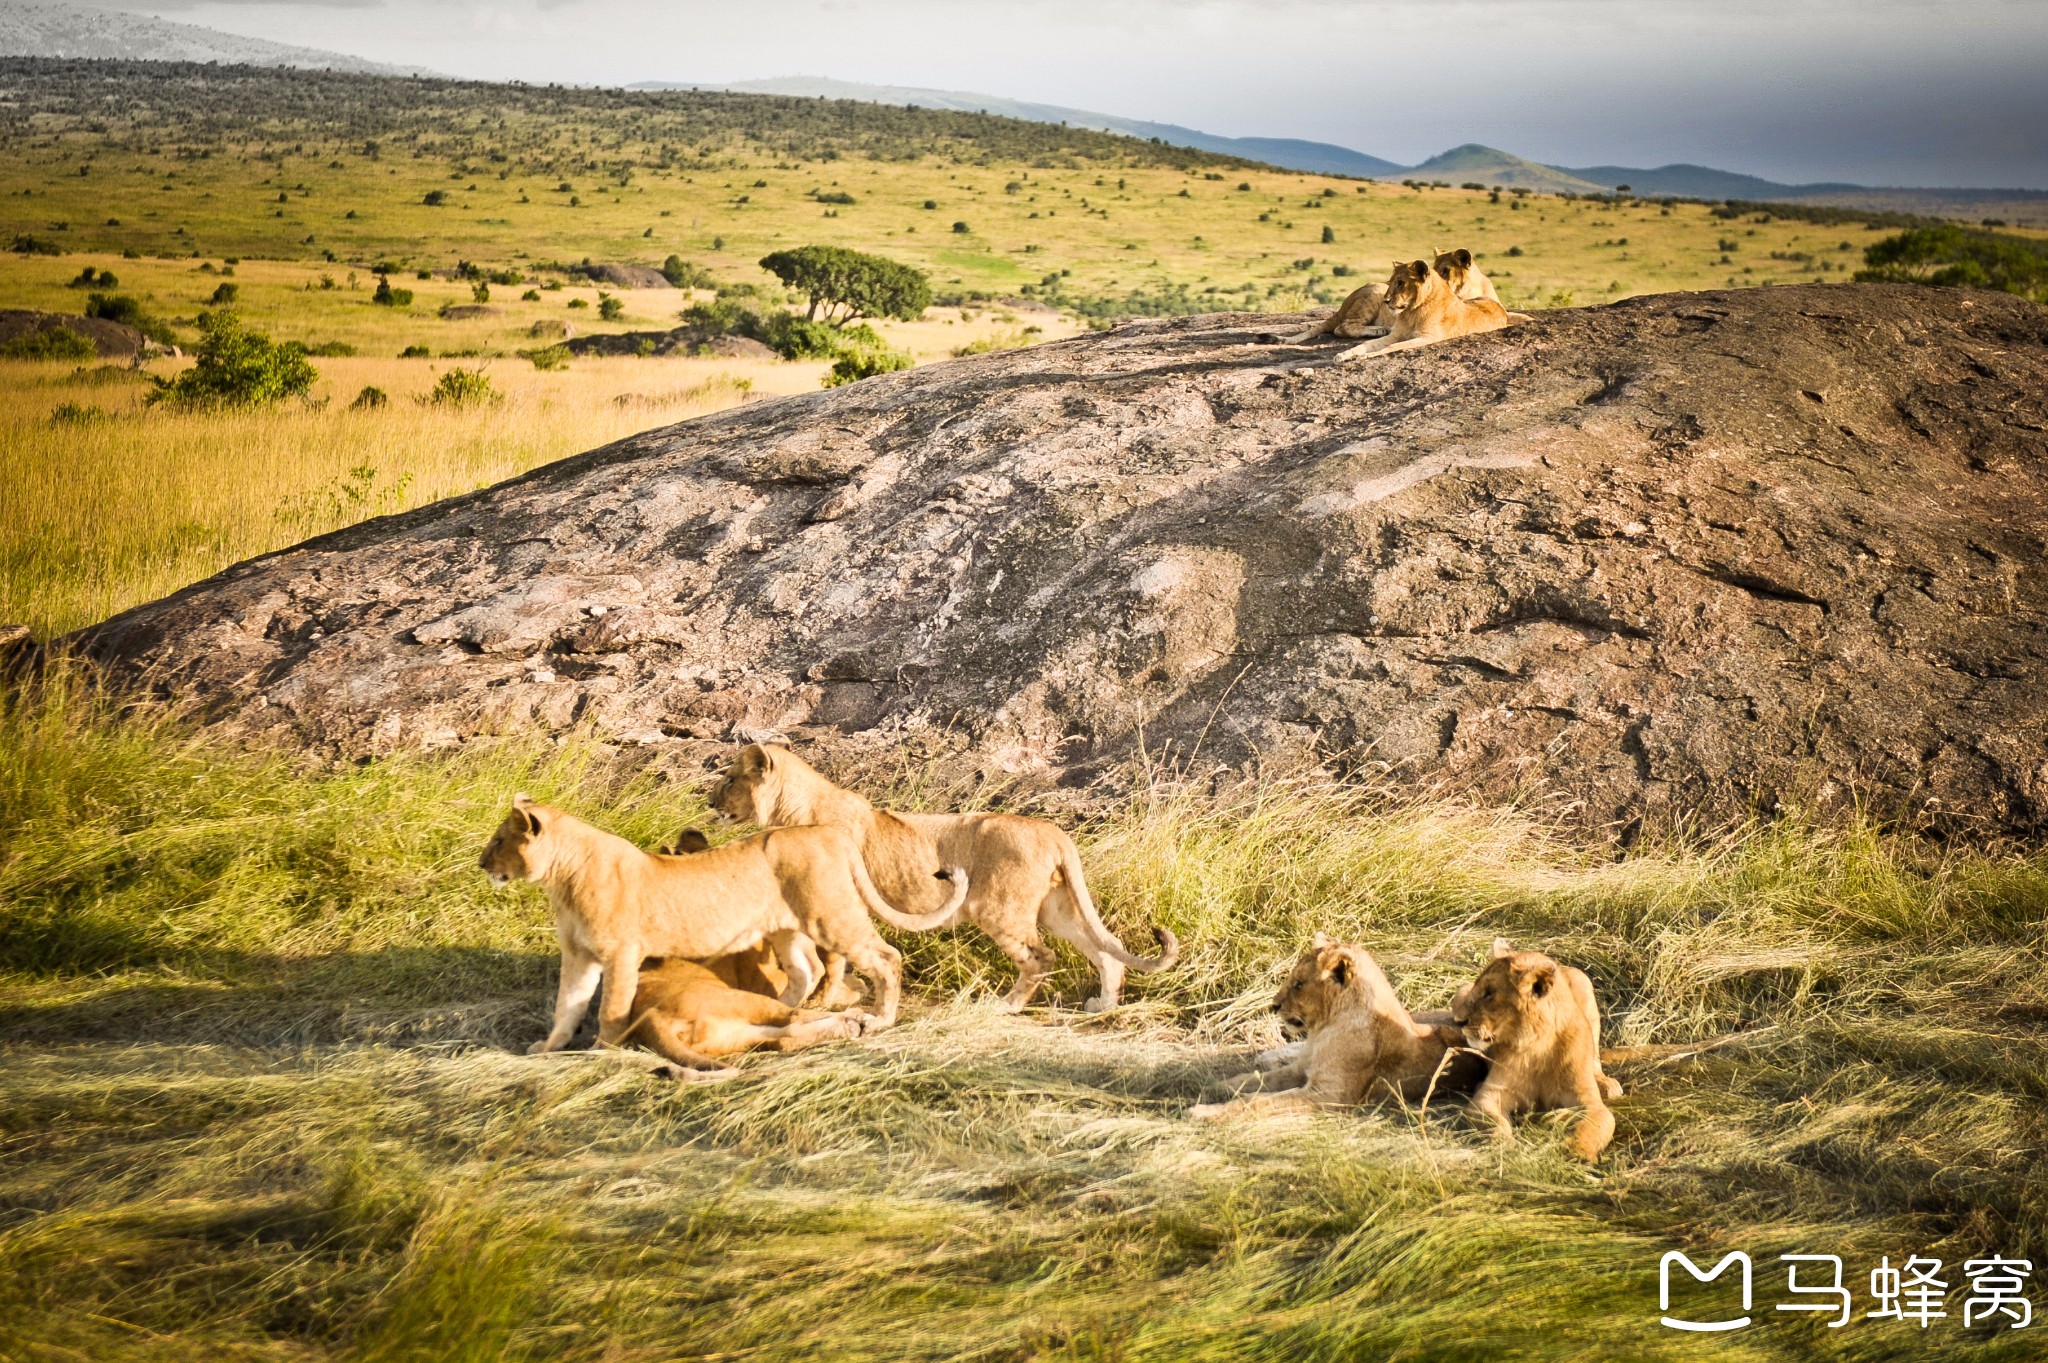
264	1097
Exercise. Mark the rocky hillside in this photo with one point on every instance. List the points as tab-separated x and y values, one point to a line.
1679	555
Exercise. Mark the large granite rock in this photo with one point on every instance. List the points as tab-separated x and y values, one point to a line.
1680	556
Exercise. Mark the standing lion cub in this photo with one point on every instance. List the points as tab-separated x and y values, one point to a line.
616	905
1026	873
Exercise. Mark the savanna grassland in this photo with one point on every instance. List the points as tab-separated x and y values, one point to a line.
262	1093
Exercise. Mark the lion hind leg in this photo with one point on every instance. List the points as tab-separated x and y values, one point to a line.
671	1039
1034	962
881	965
798	955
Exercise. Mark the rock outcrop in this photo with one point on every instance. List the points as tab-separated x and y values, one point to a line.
113	340
1676	557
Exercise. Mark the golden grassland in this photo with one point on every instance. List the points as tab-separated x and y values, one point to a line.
261	1029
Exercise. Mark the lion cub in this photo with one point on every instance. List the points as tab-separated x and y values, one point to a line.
1360	1039
1365	312
688	1015
1539	1025
1426	310
615	905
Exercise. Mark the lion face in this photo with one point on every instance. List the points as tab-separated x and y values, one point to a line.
1320	978
516	851
1511	1000
1407	285
1455	268
746	794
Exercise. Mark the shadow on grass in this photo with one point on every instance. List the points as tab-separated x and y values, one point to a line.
397	995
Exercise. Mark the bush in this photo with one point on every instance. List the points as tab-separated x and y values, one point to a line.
224	295
74	414
480	292
434	198
609	308
790	336
548	357
239	367
1958	257
90	278
122	308
962	228
27	245
370	399
865	360
414	352
52	343
331	350
1329	234
846	285
462	388
386	296
685	275
835	196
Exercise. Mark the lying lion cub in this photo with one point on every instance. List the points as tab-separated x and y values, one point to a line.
687	1014
755	970
1539	1025
1026	872
1427	311
1360	1039
615	905
1365	312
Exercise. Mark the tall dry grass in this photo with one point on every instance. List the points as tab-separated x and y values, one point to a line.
260	1049
109	503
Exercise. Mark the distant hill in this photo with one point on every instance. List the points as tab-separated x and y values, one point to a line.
35	30
1470	163
1292	153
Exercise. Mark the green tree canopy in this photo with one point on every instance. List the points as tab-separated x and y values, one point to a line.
845	285
239	367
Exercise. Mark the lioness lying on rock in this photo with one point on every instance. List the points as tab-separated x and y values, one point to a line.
1361	1041
1025	873
1426	310
1365	311
615	905
1539	1026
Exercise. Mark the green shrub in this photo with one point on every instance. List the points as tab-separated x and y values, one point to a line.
685	275
415	352
463	388
51	343
122	308
370	399
962	228
609	308
386	296
75	414
331	350
834	196
1958	257
27	245
864	361
90	278
548	357
224	295
434	198
239	367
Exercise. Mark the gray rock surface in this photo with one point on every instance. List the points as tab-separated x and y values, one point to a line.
1681	556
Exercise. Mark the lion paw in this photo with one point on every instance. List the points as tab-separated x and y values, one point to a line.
538	1048
1098	1005
1207	1112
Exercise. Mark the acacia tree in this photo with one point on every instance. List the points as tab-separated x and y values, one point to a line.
844	285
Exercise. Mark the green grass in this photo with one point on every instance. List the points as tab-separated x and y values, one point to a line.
259	1039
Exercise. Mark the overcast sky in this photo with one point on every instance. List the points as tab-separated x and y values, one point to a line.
1918	92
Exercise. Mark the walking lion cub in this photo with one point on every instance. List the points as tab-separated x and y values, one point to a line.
1539	1025
616	905
1361	1041
1025	873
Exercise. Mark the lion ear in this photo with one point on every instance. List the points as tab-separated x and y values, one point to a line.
1540	980
1501	948
1320	940
529	820
691	840
753	760
1340	973
1463	257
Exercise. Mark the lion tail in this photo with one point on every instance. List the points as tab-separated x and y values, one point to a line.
910	922
1105	940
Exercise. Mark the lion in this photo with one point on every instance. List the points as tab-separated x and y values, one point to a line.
1427	311
615	905
755	970
1024	873
689	1015
1365	312
1360	1040
1539	1025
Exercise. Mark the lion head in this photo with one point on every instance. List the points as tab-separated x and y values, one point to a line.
1514	1001
1326	974
1456	269
1410	284
748	791
520	849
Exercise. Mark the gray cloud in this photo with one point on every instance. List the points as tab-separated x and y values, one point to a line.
1885	91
